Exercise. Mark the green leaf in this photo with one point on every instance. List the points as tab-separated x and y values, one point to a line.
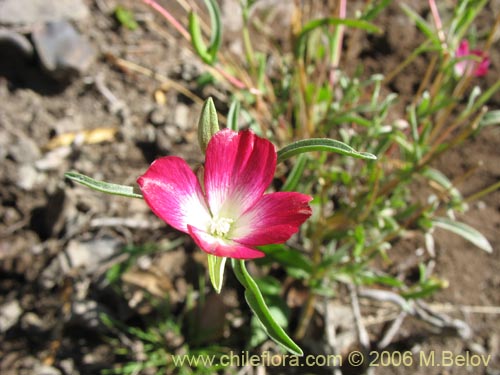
256	302
314	24
208	124
259	334
490	118
269	286
233	114
216	271
321	144
104	187
207	54
351	118
374	9
293	178
422	24
287	257
215	23
467	232
126	18
439	178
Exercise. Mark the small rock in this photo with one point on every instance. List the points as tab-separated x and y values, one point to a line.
54	159
28	12
87	314
41	369
9	315
68	366
182	116
28	178
24	150
62	50
32	323
158	115
17	41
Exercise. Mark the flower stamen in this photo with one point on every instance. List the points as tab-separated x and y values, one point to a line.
220	227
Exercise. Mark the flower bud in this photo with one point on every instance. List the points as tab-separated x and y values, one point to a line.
208	124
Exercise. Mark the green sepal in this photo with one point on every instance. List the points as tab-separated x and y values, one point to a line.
216	271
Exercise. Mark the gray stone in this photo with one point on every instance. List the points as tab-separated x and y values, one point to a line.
88	256
62	50
29	12
24	150
91	254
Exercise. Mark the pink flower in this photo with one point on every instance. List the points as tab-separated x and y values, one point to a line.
228	214
471	66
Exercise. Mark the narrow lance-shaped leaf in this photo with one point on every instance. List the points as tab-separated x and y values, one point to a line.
215	23
216	271
490	118
104	187
321	144
197	39
233	115
256	302
467	232
207	54
421	24
295	175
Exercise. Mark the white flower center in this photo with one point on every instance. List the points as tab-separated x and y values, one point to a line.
220	227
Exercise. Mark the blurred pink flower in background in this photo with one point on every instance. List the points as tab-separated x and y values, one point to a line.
472	65
227	214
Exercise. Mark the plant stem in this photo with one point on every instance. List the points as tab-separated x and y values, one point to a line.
182	30
171	19
438	23
482	193
336	48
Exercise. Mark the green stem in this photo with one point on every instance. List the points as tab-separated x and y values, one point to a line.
482	193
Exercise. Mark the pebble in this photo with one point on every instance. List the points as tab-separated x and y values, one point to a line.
158	115
182	116
24	150
87	314
33	323
29	178
41	369
10	313
29	12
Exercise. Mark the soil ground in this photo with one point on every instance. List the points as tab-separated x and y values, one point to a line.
46	219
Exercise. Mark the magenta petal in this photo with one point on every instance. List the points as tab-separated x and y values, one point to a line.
274	219
238	169
221	247
174	194
483	65
463	49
